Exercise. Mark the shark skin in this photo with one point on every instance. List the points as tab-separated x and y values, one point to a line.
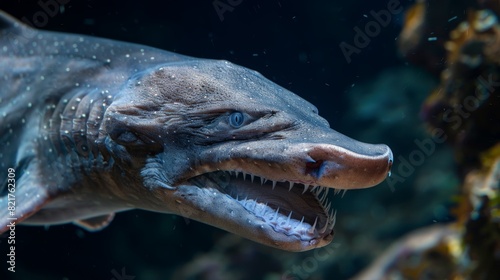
91	126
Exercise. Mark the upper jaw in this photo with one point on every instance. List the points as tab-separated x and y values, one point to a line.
327	165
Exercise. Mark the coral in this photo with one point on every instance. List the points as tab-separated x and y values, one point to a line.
465	106
429	253
482	236
465	103
426	29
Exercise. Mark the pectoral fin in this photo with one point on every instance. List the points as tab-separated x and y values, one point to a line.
23	193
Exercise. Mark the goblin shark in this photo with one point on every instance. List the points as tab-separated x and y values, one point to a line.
90	127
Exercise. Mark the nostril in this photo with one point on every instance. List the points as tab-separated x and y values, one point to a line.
391	156
314	169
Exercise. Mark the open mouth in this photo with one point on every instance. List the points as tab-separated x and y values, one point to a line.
290	208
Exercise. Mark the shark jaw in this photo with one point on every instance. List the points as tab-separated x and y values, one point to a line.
283	205
298	210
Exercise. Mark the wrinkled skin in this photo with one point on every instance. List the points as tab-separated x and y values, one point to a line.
115	126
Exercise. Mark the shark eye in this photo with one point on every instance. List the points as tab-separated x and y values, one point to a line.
236	119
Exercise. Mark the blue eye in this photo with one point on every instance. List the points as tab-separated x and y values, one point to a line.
236	119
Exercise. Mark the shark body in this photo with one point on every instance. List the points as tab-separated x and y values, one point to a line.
91	126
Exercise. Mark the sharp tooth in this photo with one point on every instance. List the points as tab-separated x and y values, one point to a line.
344	191
325	195
319	190
274	184
327	209
236	173
325	227
334	219
262	180
305	188
291	186
244	175
321	196
251	177
313	227
300	224
264	209
289	217
313	189
318	193
336	191
276	214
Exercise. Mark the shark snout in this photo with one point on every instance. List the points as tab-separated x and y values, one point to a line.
360	166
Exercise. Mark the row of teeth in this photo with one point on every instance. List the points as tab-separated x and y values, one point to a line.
287	223
292	184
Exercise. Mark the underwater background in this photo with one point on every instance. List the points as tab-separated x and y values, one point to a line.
374	88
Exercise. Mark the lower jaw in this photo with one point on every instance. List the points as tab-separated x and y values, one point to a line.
303	224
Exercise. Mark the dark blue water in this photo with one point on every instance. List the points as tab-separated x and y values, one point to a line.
366	91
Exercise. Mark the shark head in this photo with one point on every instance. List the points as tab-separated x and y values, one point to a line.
221	144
